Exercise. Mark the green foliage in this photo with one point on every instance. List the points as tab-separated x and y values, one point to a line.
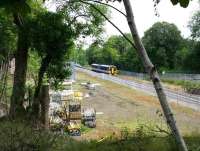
117	51
19	135
189	86
34	62
183	3
78	55
85	129
192	59
50	35
194	26
192	87
21	7
94	53
163	43
8	35
84	19
51	38
57	72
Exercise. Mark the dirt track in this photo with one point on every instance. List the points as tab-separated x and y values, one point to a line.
124	107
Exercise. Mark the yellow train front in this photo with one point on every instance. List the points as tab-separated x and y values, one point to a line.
108	69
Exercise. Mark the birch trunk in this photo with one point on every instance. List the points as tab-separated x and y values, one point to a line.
151	70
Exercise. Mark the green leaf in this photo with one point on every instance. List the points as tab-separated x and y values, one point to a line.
184	3
21	6
174	2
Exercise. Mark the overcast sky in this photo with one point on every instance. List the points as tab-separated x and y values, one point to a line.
145	16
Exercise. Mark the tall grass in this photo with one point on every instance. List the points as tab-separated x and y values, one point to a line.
20	136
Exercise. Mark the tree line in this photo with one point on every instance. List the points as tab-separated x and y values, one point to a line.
166	47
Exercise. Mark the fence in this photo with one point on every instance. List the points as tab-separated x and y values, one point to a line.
170	76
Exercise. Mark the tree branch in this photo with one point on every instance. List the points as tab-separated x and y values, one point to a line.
74	19
95	1
92	5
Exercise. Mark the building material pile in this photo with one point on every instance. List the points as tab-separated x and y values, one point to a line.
65	111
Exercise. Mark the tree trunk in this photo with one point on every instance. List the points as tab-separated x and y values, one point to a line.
45	100
151	70
43	68
18	91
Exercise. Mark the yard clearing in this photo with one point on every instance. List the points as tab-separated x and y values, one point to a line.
125	107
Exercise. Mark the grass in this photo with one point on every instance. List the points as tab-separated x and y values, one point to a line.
85	129
145	107
189	86
18	136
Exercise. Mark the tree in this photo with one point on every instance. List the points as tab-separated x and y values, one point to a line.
94	54
151	70
116	51
19	10
78	55
163	41
52	35
194	25
8	36
194	53
193	64
109	55
51	38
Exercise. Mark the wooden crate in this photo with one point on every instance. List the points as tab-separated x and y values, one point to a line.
75	116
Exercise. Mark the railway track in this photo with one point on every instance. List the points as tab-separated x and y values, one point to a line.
182	98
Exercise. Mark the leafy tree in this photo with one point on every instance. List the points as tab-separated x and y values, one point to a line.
192	59
51	38
94	54
194	26
8	36
19	10
127	57
163	41
109	55
116	50
78	55
34	62
53	35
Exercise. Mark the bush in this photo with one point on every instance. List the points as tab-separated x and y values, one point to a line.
20	136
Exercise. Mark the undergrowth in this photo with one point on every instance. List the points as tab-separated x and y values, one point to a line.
20	136
189	86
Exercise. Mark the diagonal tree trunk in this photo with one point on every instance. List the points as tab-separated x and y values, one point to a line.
151	70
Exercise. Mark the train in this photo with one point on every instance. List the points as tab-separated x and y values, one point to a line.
108	69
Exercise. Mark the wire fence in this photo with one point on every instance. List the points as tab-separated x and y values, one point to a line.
169	76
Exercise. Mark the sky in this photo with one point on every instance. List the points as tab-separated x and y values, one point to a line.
145	16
